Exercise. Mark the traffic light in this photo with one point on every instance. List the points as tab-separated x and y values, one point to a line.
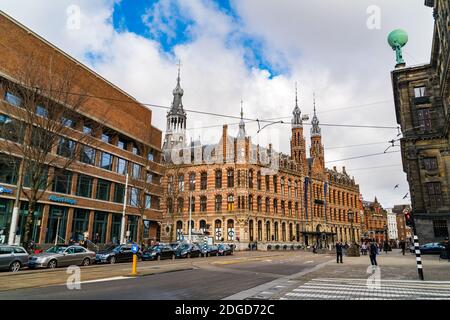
408	219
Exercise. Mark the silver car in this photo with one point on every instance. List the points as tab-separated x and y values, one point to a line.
12	258
62	255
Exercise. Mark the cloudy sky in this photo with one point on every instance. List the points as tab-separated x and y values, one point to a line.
254	50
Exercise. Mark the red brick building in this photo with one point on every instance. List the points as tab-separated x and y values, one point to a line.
91	199
240	192
375	219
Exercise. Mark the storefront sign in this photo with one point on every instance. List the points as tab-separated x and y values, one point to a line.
5	190
62	200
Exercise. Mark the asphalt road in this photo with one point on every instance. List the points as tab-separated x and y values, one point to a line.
215	279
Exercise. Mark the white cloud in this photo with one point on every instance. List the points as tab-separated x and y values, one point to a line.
325	44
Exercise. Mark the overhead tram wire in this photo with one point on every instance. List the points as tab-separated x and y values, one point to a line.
224	115
363	156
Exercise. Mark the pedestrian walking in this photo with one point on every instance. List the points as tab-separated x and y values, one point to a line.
373	251
447	248
403	246
364	249
386	247
338	252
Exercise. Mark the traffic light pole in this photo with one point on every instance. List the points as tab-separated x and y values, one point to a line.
417	249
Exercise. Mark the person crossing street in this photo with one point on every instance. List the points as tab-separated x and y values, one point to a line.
338	252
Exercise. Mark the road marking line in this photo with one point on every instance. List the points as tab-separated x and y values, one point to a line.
104	279
309	261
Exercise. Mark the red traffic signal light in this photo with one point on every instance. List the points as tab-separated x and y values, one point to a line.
408	219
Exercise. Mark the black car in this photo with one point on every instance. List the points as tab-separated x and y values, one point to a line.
113	254
225	249
187	250
430	248
207	251
158	252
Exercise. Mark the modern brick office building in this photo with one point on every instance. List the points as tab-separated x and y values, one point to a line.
88	195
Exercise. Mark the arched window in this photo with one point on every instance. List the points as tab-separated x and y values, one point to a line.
179	230
259	230
275	230
282	185
230	202
230	178
180	205
283	231
203	202
230	230
202	226
218	177
250	203
283	209
193	204
289	193
170	184
268	231
258	180
181	182
295	189
267	205
218	203
275	184
250	178
250	230
290	208
169	205
259	203
203	180
297	232
192	181
291	232
218	230
275	206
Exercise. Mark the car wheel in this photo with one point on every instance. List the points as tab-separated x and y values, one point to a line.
15	266
86	262
112	260
52	264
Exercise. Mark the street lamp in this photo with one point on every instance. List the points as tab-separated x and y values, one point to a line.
353	251
350	218
190	210
58	214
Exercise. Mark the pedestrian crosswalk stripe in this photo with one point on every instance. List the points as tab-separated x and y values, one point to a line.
356	289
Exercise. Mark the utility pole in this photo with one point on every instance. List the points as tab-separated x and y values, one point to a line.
122	226
15	214
410	219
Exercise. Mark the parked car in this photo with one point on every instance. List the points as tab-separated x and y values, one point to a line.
174	245
116	253
225	249
187	250
62	255
430	248
13	258
207	251
158	252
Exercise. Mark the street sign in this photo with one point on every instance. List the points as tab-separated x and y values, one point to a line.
134	248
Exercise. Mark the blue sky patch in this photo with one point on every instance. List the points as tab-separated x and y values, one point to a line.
163	22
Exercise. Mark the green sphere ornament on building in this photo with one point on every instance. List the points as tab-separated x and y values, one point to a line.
397	39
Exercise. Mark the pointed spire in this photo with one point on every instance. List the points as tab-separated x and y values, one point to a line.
315	129
297	114
241	133
177	103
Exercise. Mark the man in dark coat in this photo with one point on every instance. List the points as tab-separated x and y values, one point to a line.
373	251
403	246
338	252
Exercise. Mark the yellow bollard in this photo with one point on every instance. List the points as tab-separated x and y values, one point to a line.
134	266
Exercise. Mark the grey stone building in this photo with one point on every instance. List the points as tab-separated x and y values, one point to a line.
422	108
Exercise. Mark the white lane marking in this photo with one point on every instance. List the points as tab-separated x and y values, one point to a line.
105	279
309	261
384	280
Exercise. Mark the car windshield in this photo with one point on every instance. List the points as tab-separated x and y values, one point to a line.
109	248
56	249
